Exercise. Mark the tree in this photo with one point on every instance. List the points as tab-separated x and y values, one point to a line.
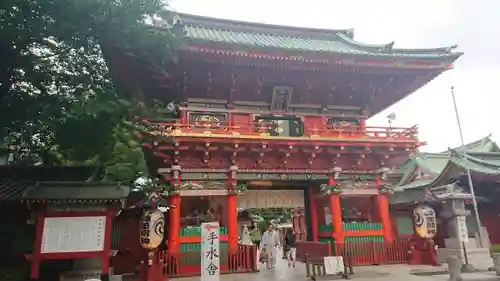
58	104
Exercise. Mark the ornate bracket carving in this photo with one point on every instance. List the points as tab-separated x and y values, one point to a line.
386	189
331	189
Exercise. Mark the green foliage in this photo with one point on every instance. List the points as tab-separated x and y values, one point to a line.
58	104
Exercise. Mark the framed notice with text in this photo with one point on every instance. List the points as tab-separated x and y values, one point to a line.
73	234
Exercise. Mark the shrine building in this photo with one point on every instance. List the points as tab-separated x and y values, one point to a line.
272	116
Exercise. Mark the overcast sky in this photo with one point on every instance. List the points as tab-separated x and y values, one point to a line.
473	25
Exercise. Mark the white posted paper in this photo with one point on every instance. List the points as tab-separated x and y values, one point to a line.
334	265
73	234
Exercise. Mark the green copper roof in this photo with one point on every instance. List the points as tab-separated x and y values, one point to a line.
76	191
434	163
483	145
265	36
482	156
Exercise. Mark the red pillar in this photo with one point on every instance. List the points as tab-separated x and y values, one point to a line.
336	212
174	223
35	259
174	213
106	253
383	210
362	125
232	211
232	223
314	215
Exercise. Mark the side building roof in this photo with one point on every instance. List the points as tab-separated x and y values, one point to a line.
44	184
198	29
425	170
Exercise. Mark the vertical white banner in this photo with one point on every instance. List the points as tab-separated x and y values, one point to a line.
462	231
210	251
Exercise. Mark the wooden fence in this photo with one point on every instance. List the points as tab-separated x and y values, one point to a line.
188	263
359	253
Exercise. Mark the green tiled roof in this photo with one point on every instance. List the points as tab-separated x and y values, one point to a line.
489	166
483	145
14	180
76	191
264	36
408	196
414	184
482	156
434	163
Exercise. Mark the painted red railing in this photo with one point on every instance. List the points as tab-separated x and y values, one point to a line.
264	128
359	253
313	250
370	253
183	264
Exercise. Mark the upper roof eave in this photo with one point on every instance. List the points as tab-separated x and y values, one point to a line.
231	32
263	28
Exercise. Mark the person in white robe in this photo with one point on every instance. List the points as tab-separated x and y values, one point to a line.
246	238
270	240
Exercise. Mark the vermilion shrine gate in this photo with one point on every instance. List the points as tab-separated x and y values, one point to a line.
275	116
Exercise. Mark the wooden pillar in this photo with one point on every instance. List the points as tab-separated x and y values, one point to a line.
362	122
362	125
36	259
336	212
383	210
232	211
184	117
174	223
174	213
106	253
314	215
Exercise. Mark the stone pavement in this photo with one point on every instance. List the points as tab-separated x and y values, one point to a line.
362	273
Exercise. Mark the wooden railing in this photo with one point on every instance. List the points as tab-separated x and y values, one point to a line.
267	129
313	250
372	253
359	253
183	264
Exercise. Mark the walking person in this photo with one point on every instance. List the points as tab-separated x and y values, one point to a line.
269	242
255	233
290	245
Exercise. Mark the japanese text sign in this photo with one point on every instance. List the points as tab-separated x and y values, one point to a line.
210	255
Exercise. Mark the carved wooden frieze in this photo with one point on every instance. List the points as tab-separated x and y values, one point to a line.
203	188
207	119
204	176
262	199
193	185
280	177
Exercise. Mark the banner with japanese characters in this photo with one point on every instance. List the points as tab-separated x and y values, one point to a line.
210	255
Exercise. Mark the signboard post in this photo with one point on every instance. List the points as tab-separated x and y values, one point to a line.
210	254
463	234
462	231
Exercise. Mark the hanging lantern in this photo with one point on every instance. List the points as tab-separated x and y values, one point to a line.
425	221
152	229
